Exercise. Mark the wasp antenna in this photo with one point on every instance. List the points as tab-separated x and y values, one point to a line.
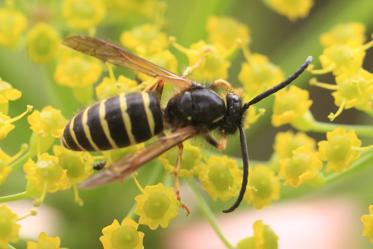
245	168
279	86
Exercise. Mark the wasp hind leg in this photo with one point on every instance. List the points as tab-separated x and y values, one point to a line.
177	180
156	87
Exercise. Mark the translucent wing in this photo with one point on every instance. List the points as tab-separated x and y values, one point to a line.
130	163
110	52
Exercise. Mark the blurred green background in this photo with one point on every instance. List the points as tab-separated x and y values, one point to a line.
286	43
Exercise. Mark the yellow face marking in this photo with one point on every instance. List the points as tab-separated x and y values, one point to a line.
73	134
105	126
87	132
126	118
149	114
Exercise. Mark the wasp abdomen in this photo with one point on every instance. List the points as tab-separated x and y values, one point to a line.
114	123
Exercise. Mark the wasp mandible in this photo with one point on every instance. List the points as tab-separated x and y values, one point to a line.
132	118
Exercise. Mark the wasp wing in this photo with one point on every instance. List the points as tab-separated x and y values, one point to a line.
130	163
110	52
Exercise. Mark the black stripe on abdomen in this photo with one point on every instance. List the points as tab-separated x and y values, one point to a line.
115	121
156	111
68	140
79	133
97	133
139	121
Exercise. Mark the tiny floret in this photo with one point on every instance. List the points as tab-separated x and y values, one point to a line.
339	150
221	177
45	242
122	235
156	206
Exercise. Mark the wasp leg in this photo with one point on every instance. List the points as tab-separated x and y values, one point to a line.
156	87
177	181
220	145
99	165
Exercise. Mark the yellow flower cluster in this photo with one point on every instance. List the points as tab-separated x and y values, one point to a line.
292	9
343	55
367	221
258	74
12	25
42	43
8	93
190	163
290	106
221	177
45	242
9	229
83	14
263	187
264	238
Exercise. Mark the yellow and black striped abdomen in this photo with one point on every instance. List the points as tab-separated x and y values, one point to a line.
114	123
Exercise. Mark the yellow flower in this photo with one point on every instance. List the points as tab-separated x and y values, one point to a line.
209	62
190	162
146	39
9	228
12	24
263	187
149	9
367	221
6	123
226	31
354	91
47	122
351	34
221	177
292	9
7	93
45	242
124	235
252	115
45	175
264	238
5	170
109	88
338	150
77	71
83	14
42	43
258	74
290	105
287	142
343	58
304	165
78	165
156	206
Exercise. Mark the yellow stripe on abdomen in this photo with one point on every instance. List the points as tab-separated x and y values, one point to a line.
126	118
105	126
149	114
87	131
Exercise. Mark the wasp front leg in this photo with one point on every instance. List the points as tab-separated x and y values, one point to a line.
177	180
220	145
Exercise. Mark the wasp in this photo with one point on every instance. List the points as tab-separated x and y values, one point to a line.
132	118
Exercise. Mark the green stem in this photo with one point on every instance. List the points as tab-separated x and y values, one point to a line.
208	213
362	130
11	247
358	165
14	197
157	171
20	161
